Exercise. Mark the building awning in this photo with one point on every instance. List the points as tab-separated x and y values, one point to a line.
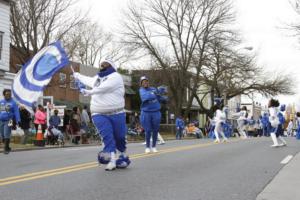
129	90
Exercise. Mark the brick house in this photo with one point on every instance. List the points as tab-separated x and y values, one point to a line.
62	86
6	78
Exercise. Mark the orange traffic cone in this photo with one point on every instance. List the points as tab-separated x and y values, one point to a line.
39	137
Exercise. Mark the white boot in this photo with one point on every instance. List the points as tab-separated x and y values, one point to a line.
161	140
147	150
154	150
274	139
112	164
282	140
225	139
244	134
217	140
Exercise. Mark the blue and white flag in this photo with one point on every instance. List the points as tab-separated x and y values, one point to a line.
35	75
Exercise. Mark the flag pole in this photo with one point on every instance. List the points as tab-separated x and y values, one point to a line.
71	66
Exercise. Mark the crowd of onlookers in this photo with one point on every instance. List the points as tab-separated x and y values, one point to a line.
184	128
75	125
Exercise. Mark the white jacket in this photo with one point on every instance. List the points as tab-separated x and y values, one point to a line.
107	92
273	118
220	116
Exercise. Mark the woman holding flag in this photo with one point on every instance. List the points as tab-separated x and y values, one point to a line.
108	114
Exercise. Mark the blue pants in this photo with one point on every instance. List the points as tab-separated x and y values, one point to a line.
179	133
298	133
266	131
151	122
112	128
5	130
279	131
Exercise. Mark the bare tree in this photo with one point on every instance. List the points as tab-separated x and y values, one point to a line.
176	34
35	23
229	73
89	43
295	27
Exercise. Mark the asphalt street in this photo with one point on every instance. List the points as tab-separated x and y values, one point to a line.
187	169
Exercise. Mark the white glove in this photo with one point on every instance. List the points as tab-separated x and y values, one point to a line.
76	75
85	92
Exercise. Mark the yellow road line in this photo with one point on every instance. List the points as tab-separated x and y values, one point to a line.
170	150
45	172
63	170
49	174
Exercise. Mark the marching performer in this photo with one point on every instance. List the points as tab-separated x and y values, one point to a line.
280	129
150	112
220	118
274	121
108	114
298	125
241	122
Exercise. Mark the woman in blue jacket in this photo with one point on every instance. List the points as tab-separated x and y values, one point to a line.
150	112
9	111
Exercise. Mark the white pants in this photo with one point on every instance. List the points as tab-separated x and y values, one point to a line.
219	129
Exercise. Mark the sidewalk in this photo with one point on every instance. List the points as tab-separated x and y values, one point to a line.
285	186
28	147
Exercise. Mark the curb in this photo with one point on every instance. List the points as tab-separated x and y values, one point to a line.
46	147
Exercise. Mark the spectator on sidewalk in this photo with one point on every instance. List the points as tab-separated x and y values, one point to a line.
54	123
40	118
207	127
25	123
75	123
251	127
66	122
133	120
9	111
55	119
259	127
179	127
289	128
85	119
192	129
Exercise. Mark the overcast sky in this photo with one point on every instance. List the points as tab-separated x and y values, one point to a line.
260	23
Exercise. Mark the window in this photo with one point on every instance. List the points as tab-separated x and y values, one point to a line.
62	80
72	83
1	44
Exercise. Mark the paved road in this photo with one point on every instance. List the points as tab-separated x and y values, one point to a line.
189	169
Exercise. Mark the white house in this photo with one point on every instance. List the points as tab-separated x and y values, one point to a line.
6	78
